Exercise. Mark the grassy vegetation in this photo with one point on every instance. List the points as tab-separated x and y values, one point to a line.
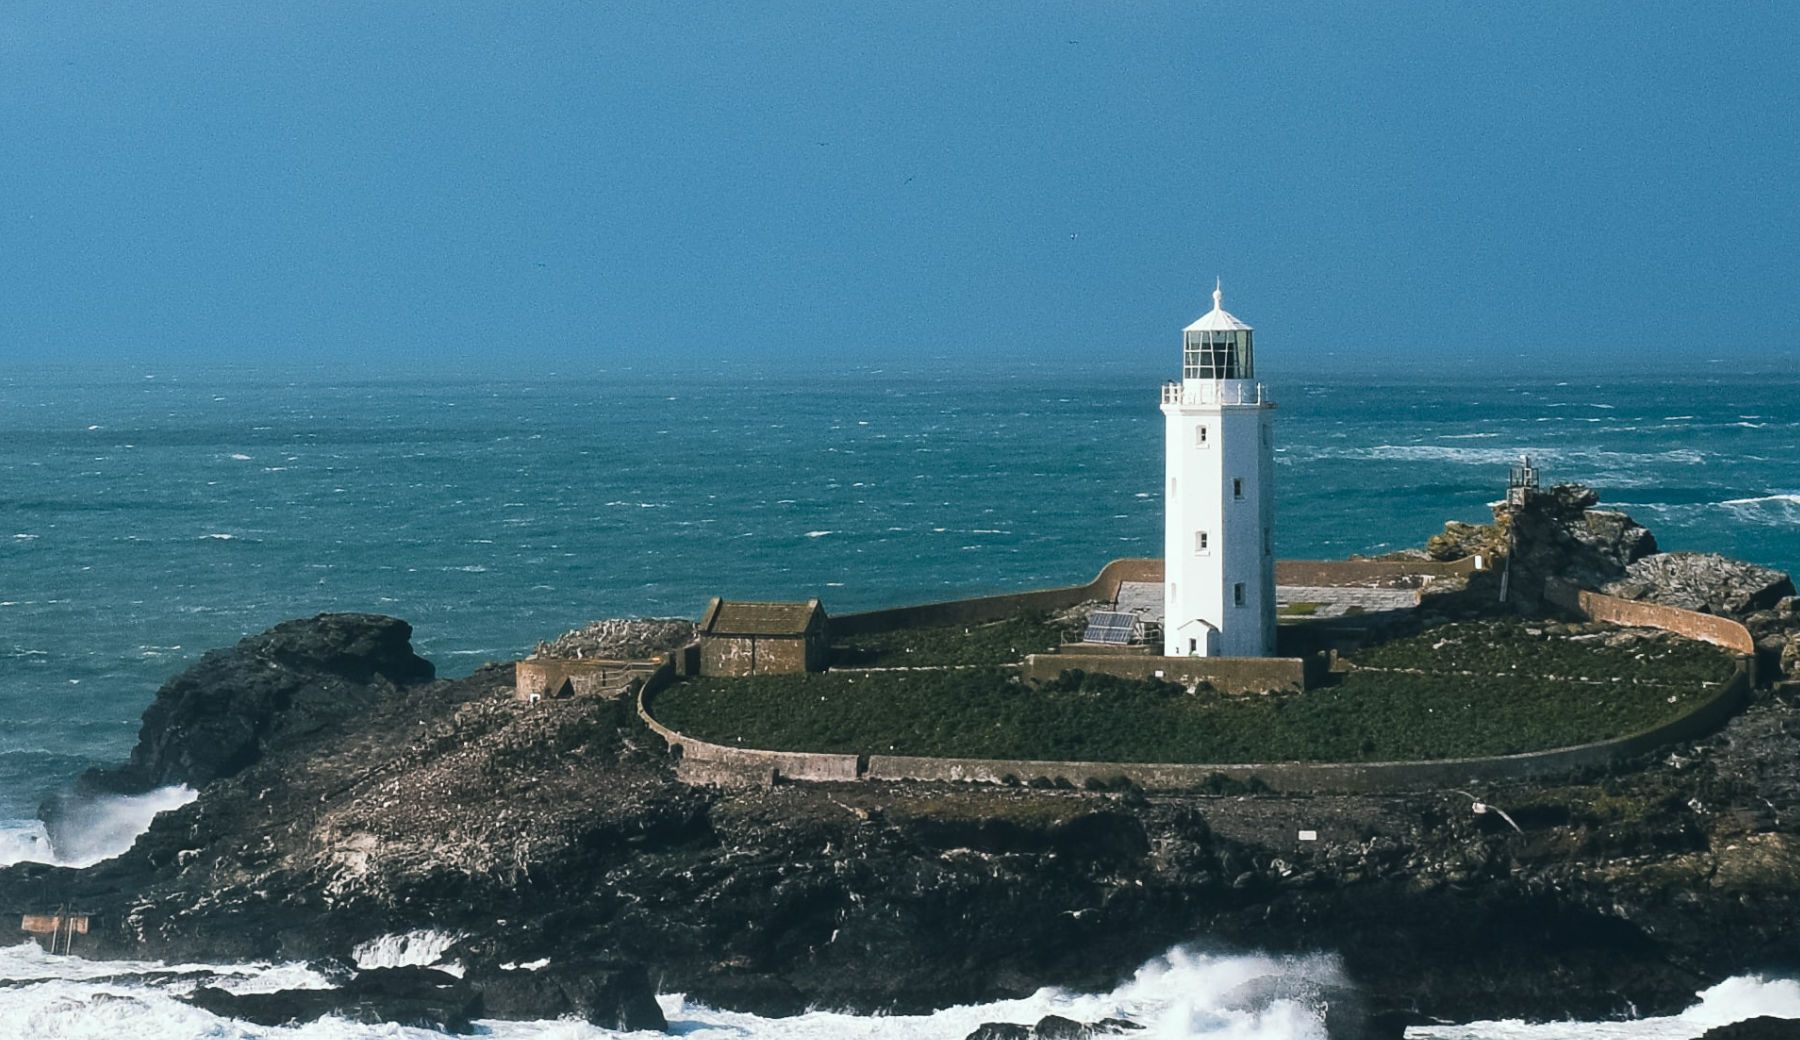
1508	648
1370	716
996	642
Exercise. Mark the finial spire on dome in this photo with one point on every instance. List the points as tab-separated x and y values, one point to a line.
1218	293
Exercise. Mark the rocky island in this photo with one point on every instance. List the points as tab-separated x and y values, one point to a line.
553	853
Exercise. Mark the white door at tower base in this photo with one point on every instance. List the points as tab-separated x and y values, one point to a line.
1199	639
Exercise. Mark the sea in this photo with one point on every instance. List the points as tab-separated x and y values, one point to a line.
149	514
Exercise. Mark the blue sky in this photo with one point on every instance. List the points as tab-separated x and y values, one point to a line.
577	185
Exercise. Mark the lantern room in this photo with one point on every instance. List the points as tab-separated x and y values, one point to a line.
1217	346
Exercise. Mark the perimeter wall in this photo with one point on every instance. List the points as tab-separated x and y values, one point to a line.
1105	586
1710	628
702	762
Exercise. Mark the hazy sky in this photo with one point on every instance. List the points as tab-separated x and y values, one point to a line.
578	184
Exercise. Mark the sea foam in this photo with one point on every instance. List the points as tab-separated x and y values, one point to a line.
1184	995
96	828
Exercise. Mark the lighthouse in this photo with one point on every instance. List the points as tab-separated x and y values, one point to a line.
1218	515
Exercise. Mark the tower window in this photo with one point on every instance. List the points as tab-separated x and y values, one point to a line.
1200	545
1268	542
1237	594
1200	436
1237	487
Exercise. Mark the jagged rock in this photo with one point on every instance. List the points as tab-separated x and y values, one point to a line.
604	993
1763	1027
563	830
1618	536
1460	540
418	997
1789	658
1556	534
1054	1027
621	639
221	714
1704	582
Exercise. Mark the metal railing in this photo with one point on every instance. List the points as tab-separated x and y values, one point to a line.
1207	392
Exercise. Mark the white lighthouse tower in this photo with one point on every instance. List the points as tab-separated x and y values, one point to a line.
1218	516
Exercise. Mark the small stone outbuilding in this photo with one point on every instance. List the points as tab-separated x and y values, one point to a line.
738	638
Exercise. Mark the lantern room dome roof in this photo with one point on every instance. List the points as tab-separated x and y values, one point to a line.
1218	319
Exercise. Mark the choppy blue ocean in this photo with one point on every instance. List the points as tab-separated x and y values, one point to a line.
147	516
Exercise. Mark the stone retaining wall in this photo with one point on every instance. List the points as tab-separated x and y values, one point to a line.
706	763
1710	628
702	762
546	676
1317	777
1228	674
1105	586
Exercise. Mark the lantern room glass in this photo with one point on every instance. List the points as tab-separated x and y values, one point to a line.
1217	354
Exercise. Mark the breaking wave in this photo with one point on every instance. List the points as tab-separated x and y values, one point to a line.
94	829
1182	995
1772	510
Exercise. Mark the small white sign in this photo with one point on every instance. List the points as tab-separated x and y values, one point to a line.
1309	835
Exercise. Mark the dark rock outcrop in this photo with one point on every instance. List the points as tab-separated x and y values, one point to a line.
220	715
1704	582
417	997
1558	534
1054	1027
1763	1027
604	993
371	803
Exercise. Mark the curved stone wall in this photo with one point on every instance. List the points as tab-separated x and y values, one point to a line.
1105	586
1709	628
707	763
1339	777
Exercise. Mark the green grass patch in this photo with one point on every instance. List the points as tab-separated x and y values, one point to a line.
1370	716
1299	610
995	642
1509	648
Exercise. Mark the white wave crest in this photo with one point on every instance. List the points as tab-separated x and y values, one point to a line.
1183	995
1778	510
94	829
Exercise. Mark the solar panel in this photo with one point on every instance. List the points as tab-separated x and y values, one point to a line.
1110	626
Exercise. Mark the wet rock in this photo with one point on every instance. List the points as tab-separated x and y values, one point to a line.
1054	1027
418	997
1705	582
604	993
1763	1027
300	677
